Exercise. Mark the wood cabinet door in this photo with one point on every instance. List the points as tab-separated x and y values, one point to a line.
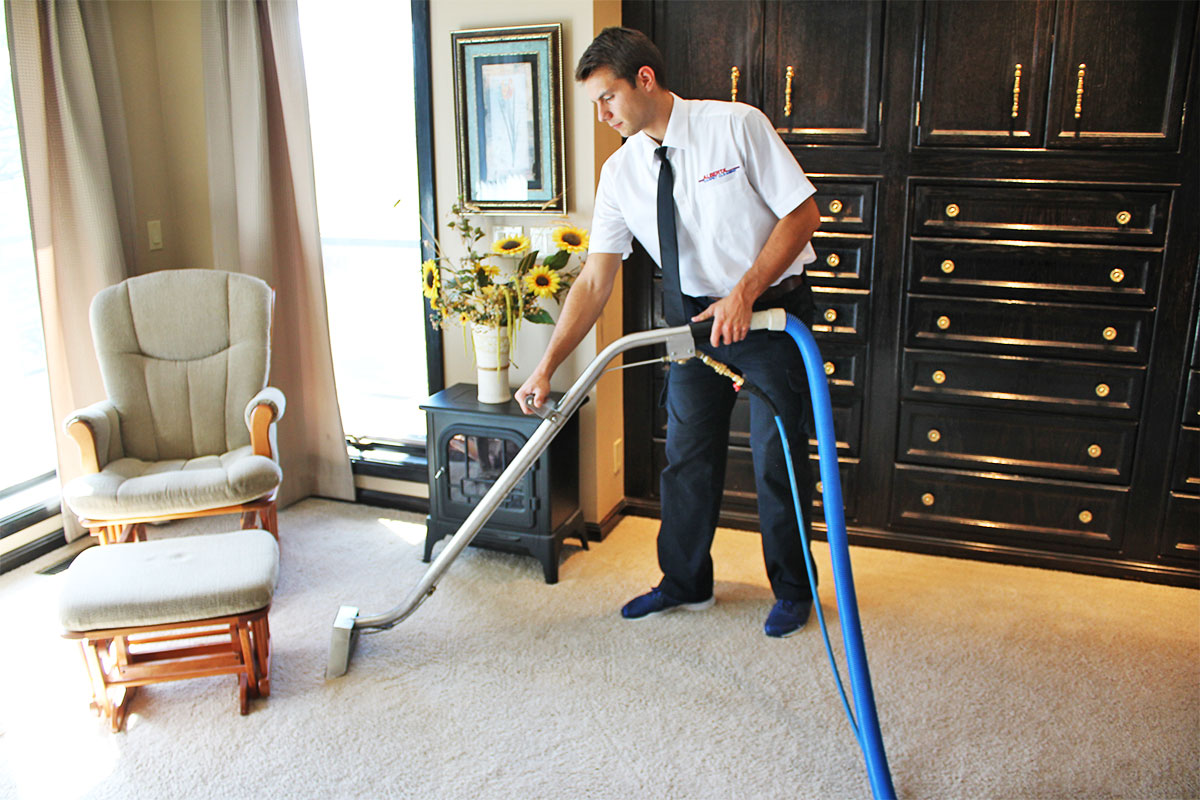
703	42
822	70
983	73
1119	73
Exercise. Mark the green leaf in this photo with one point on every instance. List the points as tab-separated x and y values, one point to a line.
558	260
527	261
540	316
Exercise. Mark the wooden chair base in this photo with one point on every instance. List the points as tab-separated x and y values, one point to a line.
119	660
261	513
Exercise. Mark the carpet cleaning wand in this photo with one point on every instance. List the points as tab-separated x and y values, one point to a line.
680	346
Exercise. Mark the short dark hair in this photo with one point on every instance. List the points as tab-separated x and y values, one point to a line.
624	51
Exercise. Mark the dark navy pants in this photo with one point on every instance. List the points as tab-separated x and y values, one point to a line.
699	403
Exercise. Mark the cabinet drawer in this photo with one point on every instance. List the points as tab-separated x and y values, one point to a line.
740	492
847	422
1004	509
1187	461
848	472
1032	329
1181	529
843	261
845	368
1031	444
1030	384
847	425
846	207
841	315
1024	271
1191	404
1005	211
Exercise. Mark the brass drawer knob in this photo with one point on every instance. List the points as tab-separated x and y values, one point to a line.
943	322
1109	333
952	210
1117	275
831	315
1102	390
1094	450
934	435
927	499
820	488
830	368
833	259
1085	516
1123	217
835	206
939	377
947	266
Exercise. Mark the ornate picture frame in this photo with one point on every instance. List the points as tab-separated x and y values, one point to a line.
508	111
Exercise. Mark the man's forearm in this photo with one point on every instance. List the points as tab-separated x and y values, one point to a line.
584	304
787	239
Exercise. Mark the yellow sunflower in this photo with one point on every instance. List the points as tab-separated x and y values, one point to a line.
571	239
542	281
431	279
510	245
485	272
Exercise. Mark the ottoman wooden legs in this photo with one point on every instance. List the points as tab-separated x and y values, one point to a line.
119	660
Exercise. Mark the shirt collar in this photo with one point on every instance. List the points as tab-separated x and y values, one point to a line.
678	127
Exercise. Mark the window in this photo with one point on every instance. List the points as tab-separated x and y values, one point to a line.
27	455
359	69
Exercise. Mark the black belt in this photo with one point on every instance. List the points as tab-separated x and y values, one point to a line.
784	287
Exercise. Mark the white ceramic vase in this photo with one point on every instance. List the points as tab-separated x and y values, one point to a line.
491	363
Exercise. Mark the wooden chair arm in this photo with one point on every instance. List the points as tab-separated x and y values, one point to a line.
260	430
85	438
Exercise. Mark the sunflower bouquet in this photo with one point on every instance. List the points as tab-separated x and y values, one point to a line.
479	292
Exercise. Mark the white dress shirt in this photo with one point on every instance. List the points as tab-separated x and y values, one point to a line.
734	179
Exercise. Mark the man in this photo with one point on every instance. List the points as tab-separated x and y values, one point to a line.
737	220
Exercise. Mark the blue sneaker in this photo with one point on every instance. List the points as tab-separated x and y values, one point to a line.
656	602
787	617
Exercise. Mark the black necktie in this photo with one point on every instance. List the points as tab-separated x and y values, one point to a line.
668	243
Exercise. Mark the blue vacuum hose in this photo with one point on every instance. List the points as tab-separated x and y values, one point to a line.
870	738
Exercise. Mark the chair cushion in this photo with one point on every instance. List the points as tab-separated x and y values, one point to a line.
129	487
169	580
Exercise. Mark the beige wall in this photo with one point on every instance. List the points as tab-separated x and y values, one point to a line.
158	56
601	420
158	52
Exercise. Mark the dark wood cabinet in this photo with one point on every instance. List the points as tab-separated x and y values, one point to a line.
706	43
1180	535
1035	73
1006	293
777	57
1120	69
983	73
815	93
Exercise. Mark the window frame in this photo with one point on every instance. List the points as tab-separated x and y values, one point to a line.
406	460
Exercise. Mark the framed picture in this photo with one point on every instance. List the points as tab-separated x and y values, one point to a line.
509	117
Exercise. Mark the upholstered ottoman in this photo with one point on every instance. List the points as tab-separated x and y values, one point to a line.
170	609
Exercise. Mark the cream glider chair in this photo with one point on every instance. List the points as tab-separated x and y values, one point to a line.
188	428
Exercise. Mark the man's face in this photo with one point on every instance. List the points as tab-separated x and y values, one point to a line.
623	107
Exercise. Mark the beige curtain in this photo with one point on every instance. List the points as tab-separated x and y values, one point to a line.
78	175
264	215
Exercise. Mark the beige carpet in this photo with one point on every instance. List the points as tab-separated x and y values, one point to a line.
992	682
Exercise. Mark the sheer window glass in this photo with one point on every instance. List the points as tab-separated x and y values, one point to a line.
27	439
359	67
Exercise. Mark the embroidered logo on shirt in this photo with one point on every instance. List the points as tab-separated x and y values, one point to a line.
721	173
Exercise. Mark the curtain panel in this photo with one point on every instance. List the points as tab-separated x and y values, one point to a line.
79	181
264	216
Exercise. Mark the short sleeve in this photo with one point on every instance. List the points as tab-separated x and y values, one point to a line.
771	168
609	232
